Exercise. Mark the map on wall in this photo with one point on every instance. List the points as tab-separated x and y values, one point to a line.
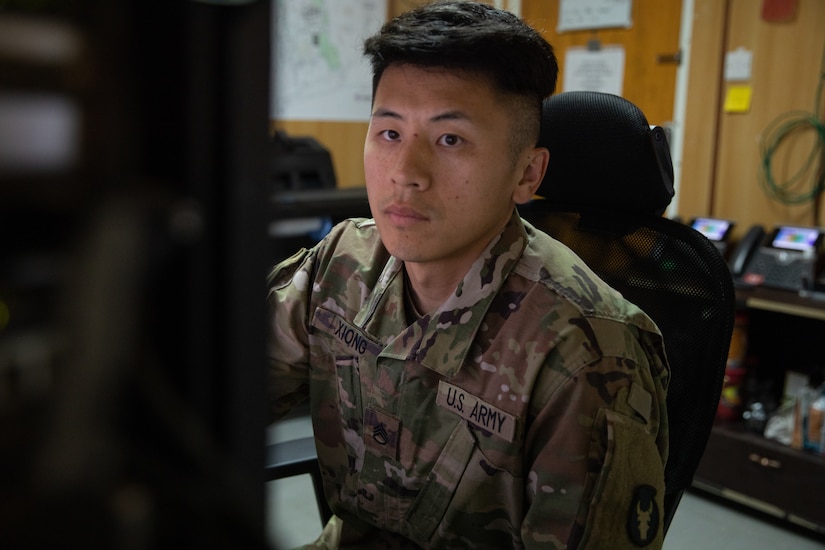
318	71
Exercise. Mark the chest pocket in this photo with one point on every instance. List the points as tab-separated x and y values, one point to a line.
434	498
348	355
449	496
467	496
351	354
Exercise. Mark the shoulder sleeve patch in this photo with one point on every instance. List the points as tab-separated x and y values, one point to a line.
643	516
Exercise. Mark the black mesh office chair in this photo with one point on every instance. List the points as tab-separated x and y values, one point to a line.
609	180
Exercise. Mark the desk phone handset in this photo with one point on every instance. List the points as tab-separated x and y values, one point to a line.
745	249
788	257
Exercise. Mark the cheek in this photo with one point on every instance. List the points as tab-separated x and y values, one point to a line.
373	167
464	192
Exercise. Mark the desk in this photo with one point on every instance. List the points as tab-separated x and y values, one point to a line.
807	304
786	332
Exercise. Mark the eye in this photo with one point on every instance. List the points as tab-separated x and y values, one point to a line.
450	140
390	135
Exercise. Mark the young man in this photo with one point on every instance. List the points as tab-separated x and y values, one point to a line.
472	383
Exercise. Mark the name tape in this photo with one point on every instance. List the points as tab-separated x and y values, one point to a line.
476	411
348	335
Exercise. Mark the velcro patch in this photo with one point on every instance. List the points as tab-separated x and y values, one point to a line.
641	401
476	411
381	432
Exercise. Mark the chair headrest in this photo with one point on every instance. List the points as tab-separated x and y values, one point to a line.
603	153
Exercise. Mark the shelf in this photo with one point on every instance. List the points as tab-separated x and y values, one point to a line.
764	475
738	432
810	305
744	467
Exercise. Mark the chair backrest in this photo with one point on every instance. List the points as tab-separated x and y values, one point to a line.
609	180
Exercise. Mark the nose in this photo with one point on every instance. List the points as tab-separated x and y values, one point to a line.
412	163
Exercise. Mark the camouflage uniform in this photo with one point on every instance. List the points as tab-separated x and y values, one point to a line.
527	412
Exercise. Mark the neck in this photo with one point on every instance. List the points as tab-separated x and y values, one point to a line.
432	283
429	290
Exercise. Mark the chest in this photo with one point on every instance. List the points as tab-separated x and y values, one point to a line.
404	411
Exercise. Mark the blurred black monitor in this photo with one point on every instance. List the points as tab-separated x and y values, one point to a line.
166	196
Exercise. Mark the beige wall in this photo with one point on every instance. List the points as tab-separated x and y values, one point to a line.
721	160
648	83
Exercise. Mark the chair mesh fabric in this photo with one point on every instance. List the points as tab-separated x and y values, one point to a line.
605	141
680	280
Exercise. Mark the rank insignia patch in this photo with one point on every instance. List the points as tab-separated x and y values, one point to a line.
381	432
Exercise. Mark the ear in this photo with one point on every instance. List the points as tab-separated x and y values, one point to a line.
532	174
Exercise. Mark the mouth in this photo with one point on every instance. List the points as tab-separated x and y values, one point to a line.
404	215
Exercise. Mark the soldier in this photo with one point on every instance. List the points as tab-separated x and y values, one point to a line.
472	383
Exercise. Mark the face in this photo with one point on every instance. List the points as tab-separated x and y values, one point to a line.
441	174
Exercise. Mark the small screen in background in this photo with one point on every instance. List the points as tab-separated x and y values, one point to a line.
795	238
713	229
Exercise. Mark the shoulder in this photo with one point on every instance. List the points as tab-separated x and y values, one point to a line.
352	250
552	264
355	236
591	320
352	247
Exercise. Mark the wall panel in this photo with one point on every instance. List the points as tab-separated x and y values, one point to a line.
787	59
702	108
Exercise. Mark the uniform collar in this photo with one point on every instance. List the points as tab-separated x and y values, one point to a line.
441	341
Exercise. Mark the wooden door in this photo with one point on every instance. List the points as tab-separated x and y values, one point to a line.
649	82
786	81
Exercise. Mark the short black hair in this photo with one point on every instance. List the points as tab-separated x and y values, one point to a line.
470	36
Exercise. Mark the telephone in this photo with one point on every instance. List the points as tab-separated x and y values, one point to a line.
788	257
745	249
716	230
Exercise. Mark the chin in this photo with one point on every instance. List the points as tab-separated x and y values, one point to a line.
404	253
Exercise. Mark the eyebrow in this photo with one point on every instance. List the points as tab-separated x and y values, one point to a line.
448	115
385	113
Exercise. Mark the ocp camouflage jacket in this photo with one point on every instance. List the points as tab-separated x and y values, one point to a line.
528	411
